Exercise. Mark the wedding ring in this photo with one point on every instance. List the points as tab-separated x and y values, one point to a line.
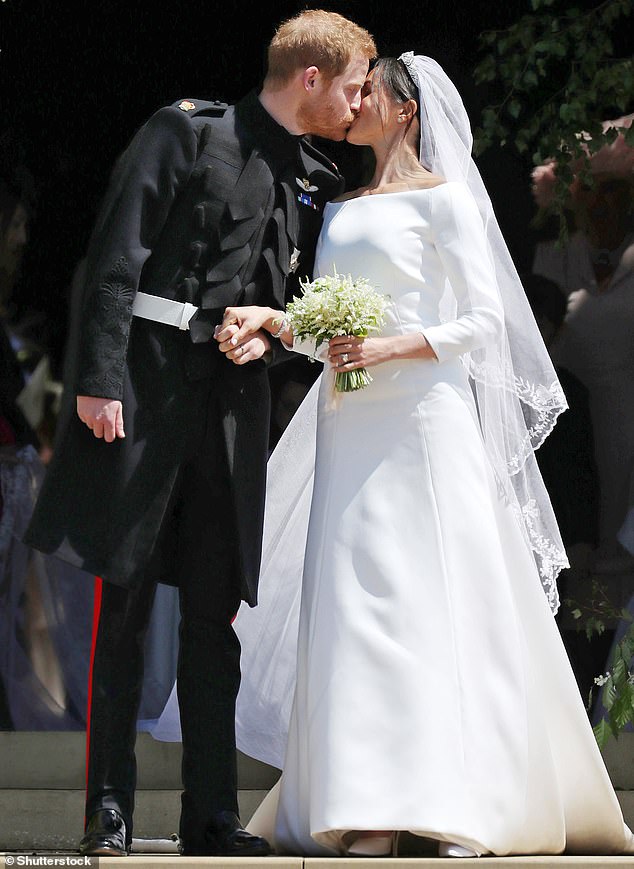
344	357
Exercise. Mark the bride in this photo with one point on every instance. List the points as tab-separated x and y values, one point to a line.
403	668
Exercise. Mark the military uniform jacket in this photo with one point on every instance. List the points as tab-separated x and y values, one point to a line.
212	205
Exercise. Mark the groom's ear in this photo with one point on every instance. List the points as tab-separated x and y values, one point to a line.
309	78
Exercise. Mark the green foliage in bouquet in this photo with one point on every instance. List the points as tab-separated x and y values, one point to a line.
338	305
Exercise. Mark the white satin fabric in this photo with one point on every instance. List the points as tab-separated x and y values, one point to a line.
415	680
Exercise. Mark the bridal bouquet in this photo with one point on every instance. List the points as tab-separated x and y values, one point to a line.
338	305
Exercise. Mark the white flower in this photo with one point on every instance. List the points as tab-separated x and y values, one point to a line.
338	305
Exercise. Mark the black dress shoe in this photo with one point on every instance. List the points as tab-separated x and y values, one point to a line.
226	837
105	835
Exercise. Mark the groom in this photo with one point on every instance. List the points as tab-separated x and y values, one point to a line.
159	476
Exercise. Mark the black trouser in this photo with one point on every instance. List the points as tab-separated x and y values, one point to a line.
200	534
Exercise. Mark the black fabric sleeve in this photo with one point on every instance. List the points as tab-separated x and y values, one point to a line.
143	187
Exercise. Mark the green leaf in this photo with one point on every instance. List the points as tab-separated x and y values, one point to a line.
514	108
609	694
489	37
622	712
619	669
602	732
565	112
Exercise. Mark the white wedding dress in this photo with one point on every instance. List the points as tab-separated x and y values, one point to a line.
416	680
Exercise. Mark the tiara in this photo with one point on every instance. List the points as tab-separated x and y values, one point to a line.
408	59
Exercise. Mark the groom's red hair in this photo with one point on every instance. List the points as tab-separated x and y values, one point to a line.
318	38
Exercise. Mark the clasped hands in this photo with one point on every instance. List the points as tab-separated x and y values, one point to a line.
242	331
240	336
244	336
242	326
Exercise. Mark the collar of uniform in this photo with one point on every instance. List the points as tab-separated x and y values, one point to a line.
270	136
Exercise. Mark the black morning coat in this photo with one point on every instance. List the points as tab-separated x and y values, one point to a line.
209	204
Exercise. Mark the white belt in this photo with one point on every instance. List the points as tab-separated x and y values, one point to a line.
163	310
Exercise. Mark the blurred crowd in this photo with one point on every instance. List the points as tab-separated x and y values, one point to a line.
46	605
583	296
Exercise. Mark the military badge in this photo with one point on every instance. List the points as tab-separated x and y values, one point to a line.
305	184
305	199
187	105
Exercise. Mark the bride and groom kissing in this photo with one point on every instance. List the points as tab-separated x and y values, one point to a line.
402	667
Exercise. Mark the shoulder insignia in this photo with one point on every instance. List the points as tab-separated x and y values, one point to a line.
187	105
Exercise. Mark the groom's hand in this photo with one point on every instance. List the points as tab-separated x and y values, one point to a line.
103	416
253	347
240	323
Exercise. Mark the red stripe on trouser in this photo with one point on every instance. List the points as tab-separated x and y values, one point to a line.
96	611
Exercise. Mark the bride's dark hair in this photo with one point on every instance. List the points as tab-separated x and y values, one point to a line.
393	73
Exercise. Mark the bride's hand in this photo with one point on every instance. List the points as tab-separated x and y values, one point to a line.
346	352
254	346
248	320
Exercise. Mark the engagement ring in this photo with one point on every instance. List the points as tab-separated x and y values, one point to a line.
344	356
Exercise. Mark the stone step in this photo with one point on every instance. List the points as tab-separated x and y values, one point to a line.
33	819
58	760
156	861
36	820
42	780
42	791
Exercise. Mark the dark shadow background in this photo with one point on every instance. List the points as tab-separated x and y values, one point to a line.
76	84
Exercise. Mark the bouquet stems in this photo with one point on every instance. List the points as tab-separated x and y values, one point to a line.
349	381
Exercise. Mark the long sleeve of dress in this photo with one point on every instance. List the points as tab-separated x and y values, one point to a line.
460	241
308	347
143	187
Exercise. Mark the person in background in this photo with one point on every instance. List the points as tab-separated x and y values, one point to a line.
567	464
595	273
45	606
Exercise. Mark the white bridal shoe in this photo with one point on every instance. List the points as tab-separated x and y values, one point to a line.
372	846
450	849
